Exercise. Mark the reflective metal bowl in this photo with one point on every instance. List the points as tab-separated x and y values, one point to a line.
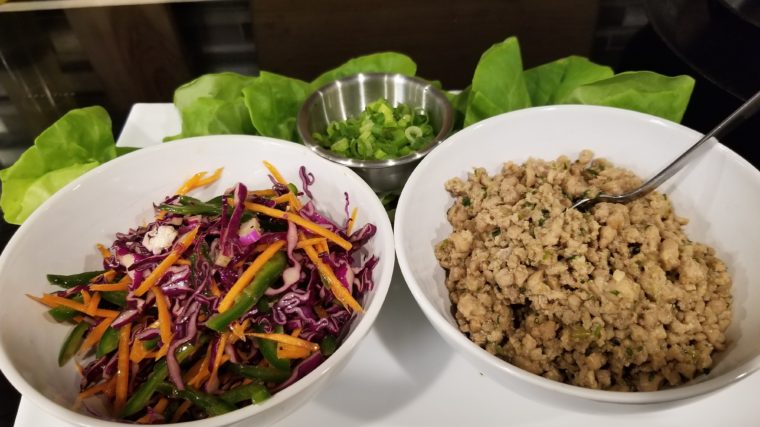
348	97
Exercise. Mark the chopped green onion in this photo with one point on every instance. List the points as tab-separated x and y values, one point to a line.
380	132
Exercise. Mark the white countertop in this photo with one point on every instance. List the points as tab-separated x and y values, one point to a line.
404	374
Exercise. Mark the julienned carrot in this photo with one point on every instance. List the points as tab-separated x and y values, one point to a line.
106	276
289	197
103	387
122	370
215	289
138	352
285	351
95	335
275	173
170	259
209	179
198	180
92	307
163	351
282	199
103	251
340	292
248	274
200	371
219	359
351	221
190	183
294	202
300	221
310	242
300	245
181	411
323	247
263	193
86	298
56	301
159	408
238	330
287	339
164	317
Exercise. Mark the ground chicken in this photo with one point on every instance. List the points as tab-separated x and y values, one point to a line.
617	298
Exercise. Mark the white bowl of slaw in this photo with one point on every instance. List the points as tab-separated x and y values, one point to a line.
719	192
60	235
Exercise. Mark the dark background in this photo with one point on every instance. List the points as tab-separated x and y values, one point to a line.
55	60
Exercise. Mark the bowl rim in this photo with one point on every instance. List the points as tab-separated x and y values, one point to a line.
472	351
365	321
447	122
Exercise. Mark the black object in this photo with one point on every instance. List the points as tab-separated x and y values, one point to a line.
710	42
714	39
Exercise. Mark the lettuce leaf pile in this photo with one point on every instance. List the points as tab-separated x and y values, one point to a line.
267	105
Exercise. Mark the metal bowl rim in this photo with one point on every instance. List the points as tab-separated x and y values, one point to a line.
447	122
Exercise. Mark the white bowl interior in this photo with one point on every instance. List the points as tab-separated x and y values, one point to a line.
718	191
60	237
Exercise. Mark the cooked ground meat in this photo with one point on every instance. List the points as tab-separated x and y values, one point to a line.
617	298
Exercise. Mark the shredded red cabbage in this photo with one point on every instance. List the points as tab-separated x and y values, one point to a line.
228	239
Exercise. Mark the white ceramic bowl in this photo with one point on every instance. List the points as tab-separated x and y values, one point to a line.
719	192
60	235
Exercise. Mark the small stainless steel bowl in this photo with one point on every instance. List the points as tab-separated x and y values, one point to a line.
348	97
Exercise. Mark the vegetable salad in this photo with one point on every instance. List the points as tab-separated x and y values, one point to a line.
214	304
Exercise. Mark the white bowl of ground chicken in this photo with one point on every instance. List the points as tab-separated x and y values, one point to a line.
650	302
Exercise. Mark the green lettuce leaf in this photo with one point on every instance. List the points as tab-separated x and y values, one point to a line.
459	103
223	86
498	84
209	116
79	141
552	81
213	104
273	102
643	91
384	62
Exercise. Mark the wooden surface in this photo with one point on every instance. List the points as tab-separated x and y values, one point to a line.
134	50
302	38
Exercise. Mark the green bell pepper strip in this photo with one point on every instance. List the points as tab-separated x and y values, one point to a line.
269	273
72	343
268	349
212	405
328	345
117	298
150	344
64	314
141	397
261	373
108	342
71	280
254	392
259	393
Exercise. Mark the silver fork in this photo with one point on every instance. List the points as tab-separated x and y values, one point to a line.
742	113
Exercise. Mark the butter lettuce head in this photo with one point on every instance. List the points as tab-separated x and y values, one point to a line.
273	102
78	142
551	82
384	62
213	104
643	91
498	84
